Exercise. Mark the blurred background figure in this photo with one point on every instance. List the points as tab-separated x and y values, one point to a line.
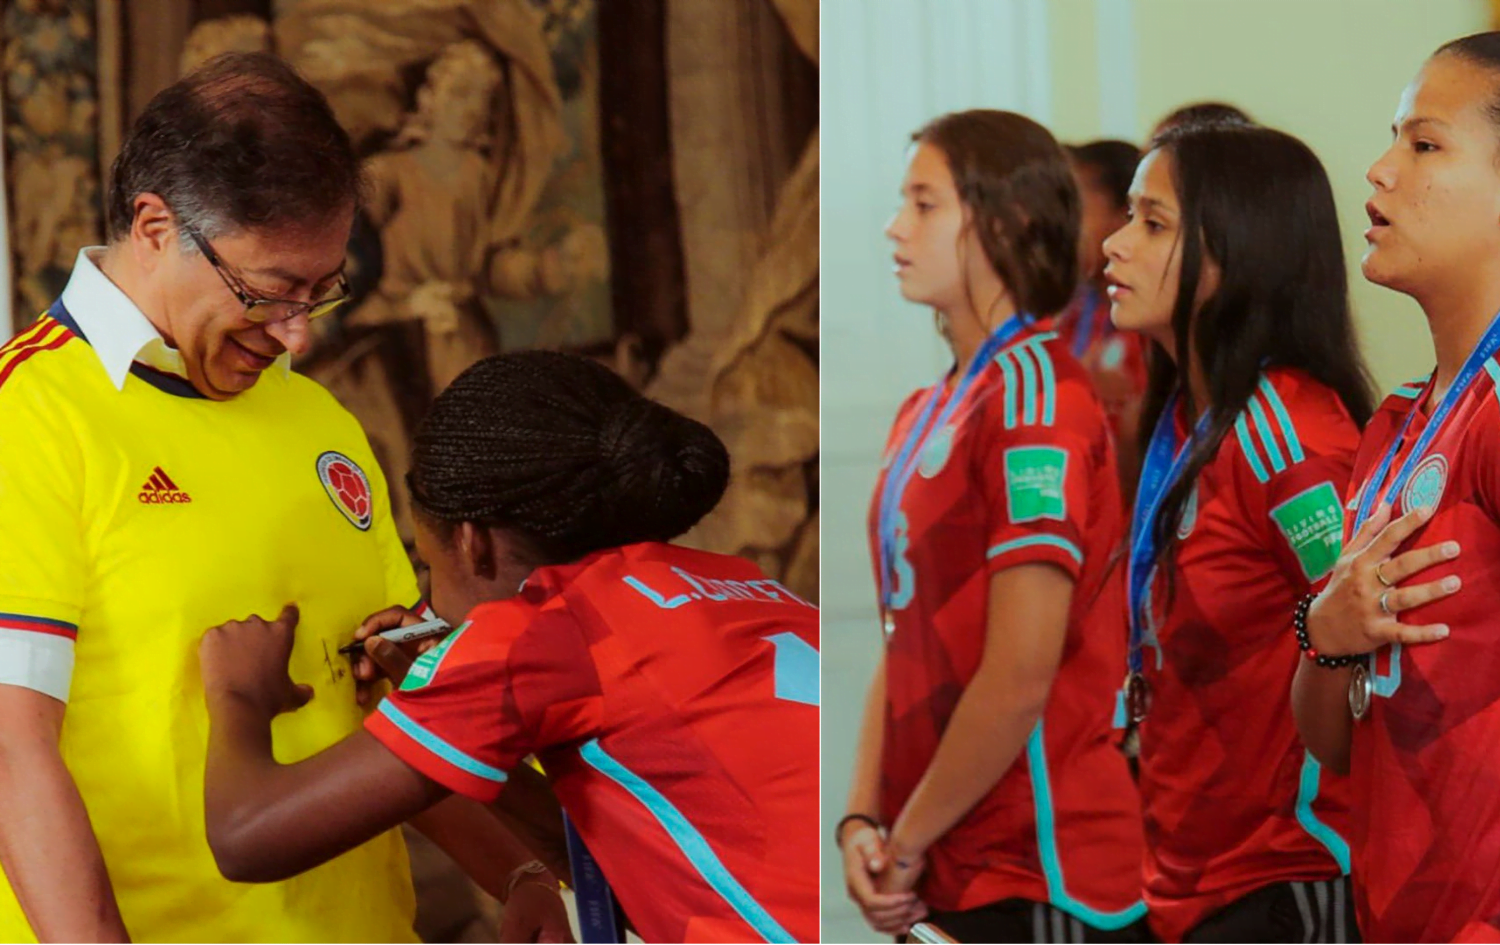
1115	361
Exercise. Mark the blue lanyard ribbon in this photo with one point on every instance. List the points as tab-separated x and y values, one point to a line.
598	914
908	456
1473	364
1084	329
1482	352
1160	468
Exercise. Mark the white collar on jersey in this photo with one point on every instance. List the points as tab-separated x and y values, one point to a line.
117	329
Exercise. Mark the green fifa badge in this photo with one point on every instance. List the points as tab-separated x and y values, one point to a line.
1034	478
1313	524
426	666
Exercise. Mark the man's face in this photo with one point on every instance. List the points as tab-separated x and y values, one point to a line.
224	351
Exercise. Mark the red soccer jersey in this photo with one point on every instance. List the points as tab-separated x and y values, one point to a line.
672	696
1023	472
1232	799
1424	764
1115	360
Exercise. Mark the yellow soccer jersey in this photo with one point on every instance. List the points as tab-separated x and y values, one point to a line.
134	518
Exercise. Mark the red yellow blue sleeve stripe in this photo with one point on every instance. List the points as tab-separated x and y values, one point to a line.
30	624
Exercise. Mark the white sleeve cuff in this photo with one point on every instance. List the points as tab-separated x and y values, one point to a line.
39	661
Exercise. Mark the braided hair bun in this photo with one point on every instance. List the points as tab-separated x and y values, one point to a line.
563	451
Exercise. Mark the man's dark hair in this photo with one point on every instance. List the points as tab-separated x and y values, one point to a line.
1113	163
564	454
242	142
1014	178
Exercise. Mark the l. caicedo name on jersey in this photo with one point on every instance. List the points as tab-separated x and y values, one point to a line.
713	590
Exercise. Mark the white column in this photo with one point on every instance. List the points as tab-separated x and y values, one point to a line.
1119	104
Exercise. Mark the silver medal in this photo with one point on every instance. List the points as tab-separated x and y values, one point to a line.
1361	689
1137	697
888	621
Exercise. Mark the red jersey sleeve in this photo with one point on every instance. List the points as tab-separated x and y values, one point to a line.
1298	444
510	682
1040	443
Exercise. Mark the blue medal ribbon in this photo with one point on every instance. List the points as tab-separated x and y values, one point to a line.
599	917
908	456
1488	345
1160	468
1084	334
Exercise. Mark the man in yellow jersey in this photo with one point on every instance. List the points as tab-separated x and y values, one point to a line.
162	471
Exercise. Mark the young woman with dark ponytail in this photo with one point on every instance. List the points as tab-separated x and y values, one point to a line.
1416	722
987	789
1231	266
670	694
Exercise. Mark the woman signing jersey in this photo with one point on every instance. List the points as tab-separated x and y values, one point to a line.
670	694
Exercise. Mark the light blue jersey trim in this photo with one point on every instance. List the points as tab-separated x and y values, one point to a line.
1284	419
1247	446
1011	392
1049	380
1029	385
1413	388
1263	426
1494	372
689	841
1046	843
1033	540
1307	792
439	747
1386	684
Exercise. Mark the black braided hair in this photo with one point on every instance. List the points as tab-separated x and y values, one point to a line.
563	452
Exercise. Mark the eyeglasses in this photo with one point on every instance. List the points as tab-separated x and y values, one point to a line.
262	310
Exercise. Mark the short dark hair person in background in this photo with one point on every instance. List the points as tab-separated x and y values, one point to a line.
1115	360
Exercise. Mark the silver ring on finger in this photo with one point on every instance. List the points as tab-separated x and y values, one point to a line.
1381	577
1385	604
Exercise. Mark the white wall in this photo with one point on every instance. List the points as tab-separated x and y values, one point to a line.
887	67
1329	71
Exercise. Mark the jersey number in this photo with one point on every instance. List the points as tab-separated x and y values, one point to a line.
796	668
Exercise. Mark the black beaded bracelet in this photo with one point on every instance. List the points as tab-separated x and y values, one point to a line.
838	831
1304	643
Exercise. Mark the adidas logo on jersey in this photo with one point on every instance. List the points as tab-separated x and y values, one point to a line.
161	490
